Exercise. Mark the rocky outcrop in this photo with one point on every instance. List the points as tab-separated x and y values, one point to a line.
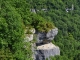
46	50
44	47
51	34
41	36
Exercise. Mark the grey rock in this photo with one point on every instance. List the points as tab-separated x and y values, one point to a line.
52	33
47	50
33	10
47	36
45	10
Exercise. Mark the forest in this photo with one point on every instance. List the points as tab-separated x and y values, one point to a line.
15	15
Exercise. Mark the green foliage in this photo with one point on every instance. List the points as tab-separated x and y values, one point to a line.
68	38
45	26
41	24
16	14
11	31
6	54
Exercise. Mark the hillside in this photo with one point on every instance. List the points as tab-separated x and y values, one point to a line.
43	15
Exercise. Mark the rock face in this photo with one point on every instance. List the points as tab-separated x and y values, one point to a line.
51	34
47	36
46	50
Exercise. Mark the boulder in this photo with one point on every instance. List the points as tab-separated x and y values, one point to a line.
46	50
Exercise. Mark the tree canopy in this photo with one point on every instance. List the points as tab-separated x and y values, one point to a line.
15	15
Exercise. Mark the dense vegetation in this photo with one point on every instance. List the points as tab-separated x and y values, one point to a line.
15	15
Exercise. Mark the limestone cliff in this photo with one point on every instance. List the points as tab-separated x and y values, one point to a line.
44	47
41	36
